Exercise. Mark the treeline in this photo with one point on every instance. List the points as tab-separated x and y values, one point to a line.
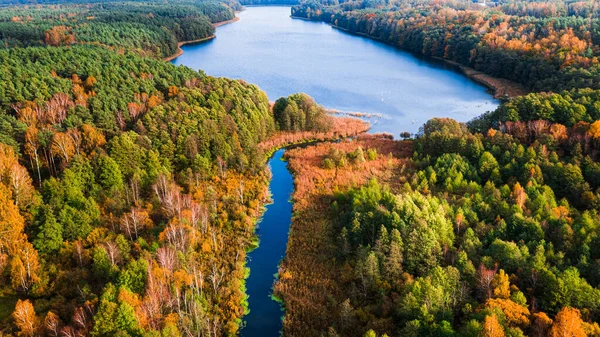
151	29
543	53
571	108
551	8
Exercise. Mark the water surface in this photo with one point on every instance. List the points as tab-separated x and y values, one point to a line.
341	71
264	319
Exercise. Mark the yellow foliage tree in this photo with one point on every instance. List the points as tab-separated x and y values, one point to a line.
540	324
519	195
501	285
11	223
516	315
594	130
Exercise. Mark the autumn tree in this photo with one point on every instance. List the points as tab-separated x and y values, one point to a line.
52	324
63	146
519	195
25	318
540	324
501	285
492	327
485	281
32	146
515	314
92	138
59	36
594	130
14	176
567	323
11	223
25	268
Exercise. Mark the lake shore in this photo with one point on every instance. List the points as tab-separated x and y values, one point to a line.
179	44
501	88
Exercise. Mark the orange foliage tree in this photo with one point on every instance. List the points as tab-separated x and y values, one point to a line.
492	327
568	323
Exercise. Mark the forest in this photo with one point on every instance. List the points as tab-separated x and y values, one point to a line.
151	29
453	233
126	211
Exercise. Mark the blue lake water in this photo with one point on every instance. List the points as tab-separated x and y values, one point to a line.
341	71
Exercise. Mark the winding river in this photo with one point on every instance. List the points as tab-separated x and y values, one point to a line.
341	71
265	315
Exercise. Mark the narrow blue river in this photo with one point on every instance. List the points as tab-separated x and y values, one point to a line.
265	315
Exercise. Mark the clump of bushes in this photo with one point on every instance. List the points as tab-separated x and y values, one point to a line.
338	158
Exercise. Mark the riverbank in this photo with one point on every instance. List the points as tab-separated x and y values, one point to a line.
179	44
223	23
501	88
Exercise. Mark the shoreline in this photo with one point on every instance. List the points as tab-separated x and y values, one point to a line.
204	39
223	23
180	51
500	87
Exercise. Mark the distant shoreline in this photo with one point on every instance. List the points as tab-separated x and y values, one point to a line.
500	87
179	44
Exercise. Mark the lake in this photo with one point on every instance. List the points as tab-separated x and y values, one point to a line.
341	71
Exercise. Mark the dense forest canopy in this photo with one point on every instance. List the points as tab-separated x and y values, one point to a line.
117	183
299	112
466	234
